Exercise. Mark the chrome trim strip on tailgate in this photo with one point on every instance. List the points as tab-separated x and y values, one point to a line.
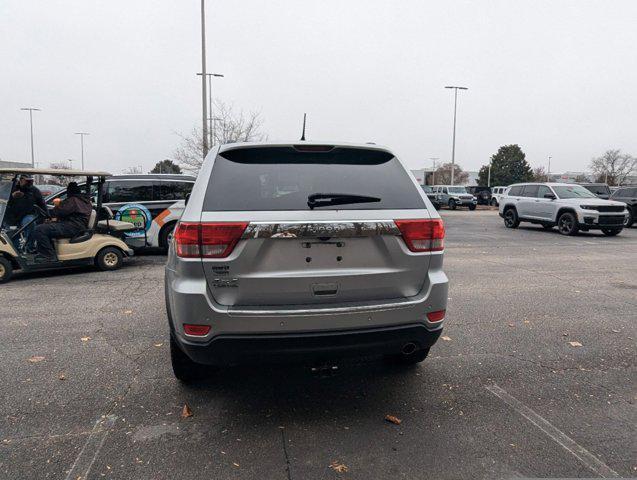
304	229
327	310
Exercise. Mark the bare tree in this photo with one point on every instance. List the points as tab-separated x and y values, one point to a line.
443	175
228	126
613	167
540	175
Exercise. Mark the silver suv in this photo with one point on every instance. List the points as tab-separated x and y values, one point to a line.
454	196
571	207
304	252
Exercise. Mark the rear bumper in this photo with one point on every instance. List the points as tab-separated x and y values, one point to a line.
307	347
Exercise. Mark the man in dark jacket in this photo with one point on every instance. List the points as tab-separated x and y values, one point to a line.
21	209
70	217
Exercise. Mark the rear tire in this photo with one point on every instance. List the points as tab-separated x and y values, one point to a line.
406	360
567	224
184	369
6	270
109	258
166	234
511	219
472	207
611	232
452	204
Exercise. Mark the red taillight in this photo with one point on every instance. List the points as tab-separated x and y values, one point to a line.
197	330
187	240
207	240
218	239
426	235
437	316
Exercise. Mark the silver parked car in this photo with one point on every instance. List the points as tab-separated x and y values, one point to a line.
571	207
304	252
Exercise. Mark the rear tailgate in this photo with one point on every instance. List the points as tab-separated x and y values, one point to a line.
319	262
295	253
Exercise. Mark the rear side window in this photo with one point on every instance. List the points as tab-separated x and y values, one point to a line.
282	178
530	191
516	191
174	190
130	191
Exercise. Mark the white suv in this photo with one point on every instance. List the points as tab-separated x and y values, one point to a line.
496	194
571	207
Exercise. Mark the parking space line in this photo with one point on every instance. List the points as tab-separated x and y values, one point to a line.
94	443
566	442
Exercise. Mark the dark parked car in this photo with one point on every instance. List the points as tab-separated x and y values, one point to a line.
429	190
483	194
628	195
599	189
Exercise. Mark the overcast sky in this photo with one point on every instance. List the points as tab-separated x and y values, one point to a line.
557	77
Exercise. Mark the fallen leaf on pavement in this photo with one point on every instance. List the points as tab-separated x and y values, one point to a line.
527	321
127	312
565	334
61	376
158	344
235	464
339	467
85	339
575	344
186	412
446	339
511	325
35	359
615	331
394	420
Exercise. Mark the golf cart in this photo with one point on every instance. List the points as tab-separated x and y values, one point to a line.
101	244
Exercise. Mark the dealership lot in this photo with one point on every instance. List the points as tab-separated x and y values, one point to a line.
87	387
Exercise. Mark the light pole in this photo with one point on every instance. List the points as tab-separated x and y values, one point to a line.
453	146
31	110
81	134
204	107
433	174
548	174
210	75
489	176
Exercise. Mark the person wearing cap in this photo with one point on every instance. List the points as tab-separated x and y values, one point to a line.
21	209
70	217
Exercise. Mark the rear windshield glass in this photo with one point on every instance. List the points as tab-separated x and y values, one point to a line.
282	178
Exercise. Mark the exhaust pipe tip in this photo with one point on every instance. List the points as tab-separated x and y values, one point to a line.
409	348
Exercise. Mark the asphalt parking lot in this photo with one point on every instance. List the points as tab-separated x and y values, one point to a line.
86	388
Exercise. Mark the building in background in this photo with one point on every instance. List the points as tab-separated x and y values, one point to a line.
5	164
424	176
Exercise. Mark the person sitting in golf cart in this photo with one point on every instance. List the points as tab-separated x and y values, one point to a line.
21	209
70	218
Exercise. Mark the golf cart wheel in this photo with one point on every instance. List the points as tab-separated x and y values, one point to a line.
547	226
406	360
611	232
567	224
472	207
184	369
6	270
452	204
630	219
511	219
109	258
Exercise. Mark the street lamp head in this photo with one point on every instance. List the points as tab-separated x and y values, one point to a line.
217	74
31	108
82	133
458	88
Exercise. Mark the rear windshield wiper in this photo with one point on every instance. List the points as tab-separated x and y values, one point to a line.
327	199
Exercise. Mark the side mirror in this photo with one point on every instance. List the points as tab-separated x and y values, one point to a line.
549	195
186	199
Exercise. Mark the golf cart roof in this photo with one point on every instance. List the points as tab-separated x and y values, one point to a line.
58	172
